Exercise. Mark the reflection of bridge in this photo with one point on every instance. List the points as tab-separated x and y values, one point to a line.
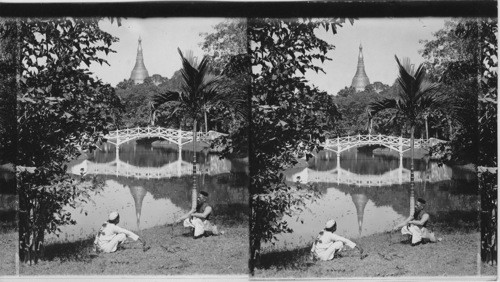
399	144
396	176
178	168
176	136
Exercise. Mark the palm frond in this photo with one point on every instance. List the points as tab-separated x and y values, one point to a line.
189	74
405	80
162	98
381	105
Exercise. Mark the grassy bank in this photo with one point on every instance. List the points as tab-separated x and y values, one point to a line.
173	252
388	256
8	239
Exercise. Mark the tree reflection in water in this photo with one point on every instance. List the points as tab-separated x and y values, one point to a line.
158	200
376	205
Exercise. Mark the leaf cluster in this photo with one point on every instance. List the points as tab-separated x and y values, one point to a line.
62	111
289	117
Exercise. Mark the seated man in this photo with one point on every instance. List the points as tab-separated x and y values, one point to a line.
111	236
327	244
416	226
199	219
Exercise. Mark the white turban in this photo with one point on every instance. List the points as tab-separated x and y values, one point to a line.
330	223
113	215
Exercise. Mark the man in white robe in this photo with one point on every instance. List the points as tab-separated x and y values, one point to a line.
327	244
110	236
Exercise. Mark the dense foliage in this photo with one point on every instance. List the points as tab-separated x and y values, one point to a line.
355	119
289	117
488	184
8	137
453	58
62	111
137	100
464	57
227	41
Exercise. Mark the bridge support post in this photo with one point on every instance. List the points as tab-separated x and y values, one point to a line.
179	140
117	157
179	163
400	172
400	151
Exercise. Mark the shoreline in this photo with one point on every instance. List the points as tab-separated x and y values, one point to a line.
173	252
456	256
419	153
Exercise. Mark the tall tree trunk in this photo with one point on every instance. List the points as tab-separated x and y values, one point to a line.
255	255
412	171
426	128
206	124
194	193
450	128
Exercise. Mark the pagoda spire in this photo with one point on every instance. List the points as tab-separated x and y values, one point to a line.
360	79
360	200
139	73
138	193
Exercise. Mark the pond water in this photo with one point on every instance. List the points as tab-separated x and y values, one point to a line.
368	193
151	186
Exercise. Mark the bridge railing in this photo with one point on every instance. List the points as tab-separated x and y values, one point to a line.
180	136
380	139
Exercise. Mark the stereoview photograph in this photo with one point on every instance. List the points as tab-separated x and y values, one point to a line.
256	148
365	150
131	145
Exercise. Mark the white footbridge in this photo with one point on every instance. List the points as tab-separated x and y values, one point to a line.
398	144
176	136
400	175
174	169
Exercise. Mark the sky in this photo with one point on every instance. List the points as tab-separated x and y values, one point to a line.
160	40
382	38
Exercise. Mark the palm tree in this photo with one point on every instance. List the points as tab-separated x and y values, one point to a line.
200	91
417	96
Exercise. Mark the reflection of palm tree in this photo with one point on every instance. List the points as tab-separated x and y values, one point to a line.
416	97
360	201
138	193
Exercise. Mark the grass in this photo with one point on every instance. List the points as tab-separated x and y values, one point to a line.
173	252
8	239
388	256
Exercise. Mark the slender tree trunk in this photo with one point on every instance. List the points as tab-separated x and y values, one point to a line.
426	129
412	171
206	124
255	255
450	128
194	193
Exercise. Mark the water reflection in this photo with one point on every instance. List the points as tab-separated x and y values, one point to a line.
147	188
368	194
